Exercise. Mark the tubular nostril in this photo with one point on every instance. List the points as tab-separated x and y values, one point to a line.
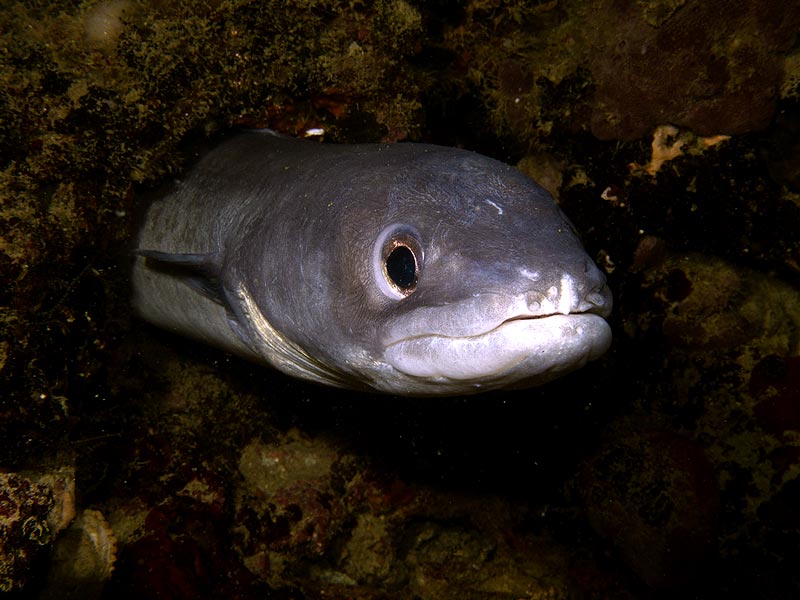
599	302
597	299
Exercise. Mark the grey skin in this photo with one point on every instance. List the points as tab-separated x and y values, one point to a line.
408	269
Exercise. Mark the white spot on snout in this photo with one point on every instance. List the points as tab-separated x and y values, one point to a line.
567	295
532	275
495	205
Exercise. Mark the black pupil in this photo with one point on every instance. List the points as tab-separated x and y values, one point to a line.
402	267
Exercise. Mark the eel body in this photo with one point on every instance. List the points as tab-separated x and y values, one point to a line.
409	269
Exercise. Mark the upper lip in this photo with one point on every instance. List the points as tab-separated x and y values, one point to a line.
484	313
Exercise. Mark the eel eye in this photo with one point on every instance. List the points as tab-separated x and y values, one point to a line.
401	268
400	260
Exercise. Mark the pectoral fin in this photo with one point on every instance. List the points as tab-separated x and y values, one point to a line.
201	272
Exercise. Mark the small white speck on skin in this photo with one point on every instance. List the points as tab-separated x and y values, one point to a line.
532	275
495	205
565	297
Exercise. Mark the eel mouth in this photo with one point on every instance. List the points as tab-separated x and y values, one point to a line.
521	348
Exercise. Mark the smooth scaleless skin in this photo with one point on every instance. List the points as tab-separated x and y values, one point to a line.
408	269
